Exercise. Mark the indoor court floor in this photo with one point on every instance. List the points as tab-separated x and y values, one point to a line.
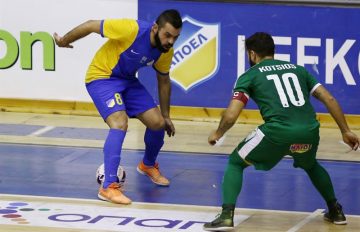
47	180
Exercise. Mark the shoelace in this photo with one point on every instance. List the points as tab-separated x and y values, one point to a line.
156	166
218	216
338	208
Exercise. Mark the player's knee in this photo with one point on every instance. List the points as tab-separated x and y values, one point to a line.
120	126
118	120
236	160
307	166
157	124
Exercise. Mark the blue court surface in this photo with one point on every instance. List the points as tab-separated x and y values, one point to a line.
59	171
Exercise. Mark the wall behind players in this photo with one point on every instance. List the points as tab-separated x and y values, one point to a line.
31	66
209	55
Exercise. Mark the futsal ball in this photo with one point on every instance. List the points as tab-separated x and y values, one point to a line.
100	175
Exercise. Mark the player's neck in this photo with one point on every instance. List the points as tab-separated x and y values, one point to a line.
264	58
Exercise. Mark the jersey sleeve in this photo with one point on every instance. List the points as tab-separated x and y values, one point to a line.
119	29
162	65
311	82
243	84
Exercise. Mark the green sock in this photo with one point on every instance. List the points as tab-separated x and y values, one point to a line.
233	177
322	182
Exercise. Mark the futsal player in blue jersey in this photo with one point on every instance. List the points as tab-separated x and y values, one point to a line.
117	93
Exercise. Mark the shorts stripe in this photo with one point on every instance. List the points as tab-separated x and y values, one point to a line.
251	143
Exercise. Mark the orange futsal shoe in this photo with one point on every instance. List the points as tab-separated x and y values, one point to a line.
153	173
113	194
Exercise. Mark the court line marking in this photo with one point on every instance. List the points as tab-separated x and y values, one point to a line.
83	200
306	220
72	156
42	131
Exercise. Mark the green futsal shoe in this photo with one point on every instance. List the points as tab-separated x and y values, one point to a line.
335	215
224	222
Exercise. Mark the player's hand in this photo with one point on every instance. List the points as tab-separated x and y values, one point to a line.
213	138
169	127
60	41
351	139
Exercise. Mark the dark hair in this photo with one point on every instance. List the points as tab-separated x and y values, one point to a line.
169	16
262	43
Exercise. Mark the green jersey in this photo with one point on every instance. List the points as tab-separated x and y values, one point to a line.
282	91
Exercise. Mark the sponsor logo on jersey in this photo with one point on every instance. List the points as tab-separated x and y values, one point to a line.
132	51
196	53
150	63
299	148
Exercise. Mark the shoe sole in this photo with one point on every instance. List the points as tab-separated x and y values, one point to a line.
103	198
334	222
106	199
219	229
144	173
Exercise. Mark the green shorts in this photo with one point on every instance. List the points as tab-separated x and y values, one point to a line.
259	150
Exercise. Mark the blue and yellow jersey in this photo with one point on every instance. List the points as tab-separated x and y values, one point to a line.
128	48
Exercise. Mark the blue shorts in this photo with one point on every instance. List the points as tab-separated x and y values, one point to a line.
113	94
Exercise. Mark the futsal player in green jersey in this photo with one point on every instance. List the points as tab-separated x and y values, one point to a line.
282	91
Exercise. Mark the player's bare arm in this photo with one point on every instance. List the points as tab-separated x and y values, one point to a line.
228	119
164	88
335	111
78	32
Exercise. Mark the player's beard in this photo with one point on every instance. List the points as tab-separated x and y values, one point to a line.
159	45
252	63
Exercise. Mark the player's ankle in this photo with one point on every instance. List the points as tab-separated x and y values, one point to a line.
227	211
332	203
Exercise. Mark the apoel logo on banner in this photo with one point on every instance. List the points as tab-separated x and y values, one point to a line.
196	53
